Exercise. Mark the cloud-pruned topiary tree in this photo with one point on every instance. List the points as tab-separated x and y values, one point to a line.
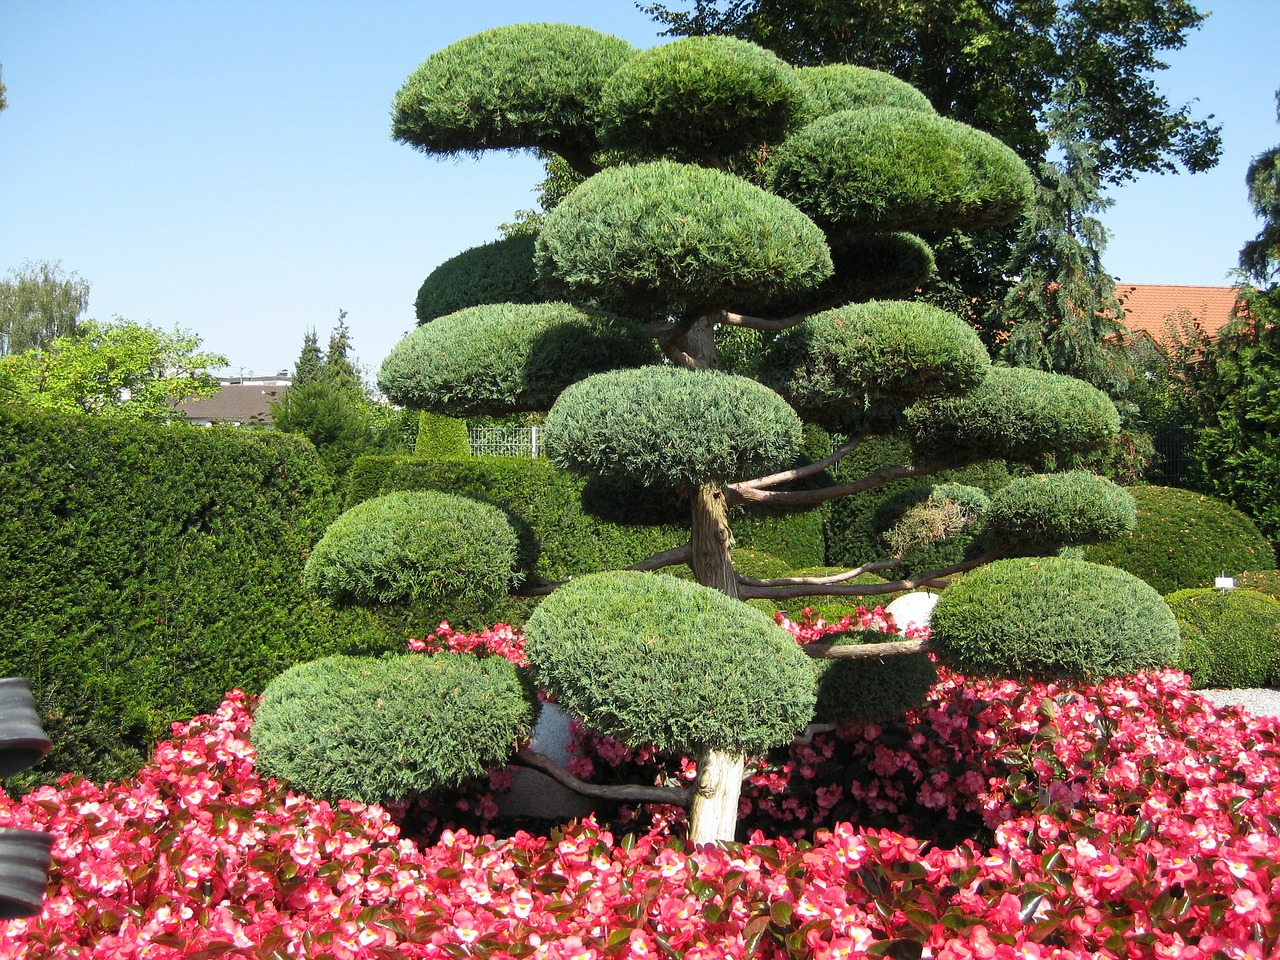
725	190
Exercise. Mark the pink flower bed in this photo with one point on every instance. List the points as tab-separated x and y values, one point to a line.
1129	820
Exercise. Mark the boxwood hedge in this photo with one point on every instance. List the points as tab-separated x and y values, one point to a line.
1230	638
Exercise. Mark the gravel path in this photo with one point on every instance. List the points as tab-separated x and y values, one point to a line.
1263	702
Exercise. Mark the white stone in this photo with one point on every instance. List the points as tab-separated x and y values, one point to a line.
913	609
534	794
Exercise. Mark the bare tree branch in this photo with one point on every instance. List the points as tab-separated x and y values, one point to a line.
930	578
865	651
818	581
744	492
624	792
800	473
666	558
758	323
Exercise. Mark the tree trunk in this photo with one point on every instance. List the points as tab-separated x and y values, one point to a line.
712	540
713	817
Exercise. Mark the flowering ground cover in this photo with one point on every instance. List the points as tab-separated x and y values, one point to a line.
1133	820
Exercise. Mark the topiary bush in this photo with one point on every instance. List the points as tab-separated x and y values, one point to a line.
441	437
1040	512
1230	638
497	272
425	550
1052	617
388	729
1184	540
842	86
651	659
1264	581
872	689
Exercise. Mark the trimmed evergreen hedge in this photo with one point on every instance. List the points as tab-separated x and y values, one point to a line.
1184	540
146	570
569	525
1230	638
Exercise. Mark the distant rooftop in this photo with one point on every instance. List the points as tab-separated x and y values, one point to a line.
1147	307
237	403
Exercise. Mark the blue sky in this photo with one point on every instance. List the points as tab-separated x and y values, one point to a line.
226	167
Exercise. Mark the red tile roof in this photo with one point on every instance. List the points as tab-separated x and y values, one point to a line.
1147	305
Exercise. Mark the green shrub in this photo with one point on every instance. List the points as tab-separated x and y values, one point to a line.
381	730
700	100
1044	512
1264	581
1184	540
1230	638
508	87
427	550
569	526
1052	617
507	358
1015	414
855	526
861	365
648	658
146	570
842	86
719	240
441	437
871	689
497	272
878	170
671	427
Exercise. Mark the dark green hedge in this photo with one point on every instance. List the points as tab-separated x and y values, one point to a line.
568	525
146	570
1184	540
856	525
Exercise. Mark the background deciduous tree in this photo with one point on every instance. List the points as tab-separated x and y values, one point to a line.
119	369
38	302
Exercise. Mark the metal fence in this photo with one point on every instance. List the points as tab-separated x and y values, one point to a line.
505	441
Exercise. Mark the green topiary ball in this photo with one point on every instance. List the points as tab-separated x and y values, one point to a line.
1044	512
700	100
871	689
417	547
1185	540
1014	414
506	358
499	272
672	427
1052	618
882	169
842	86
1230	638
850	367
679	239
380	730
648	658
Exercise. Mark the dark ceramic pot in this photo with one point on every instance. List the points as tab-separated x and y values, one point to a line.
22	741
24	872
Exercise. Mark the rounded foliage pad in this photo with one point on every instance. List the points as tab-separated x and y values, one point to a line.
846	367
700	100
650	659
414	546
497	272
871	689
1184	540
680	239
879	170
527	85
842	86
388	729
1052	618
508	358
1014	414
1060	509
672	427
1230	638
